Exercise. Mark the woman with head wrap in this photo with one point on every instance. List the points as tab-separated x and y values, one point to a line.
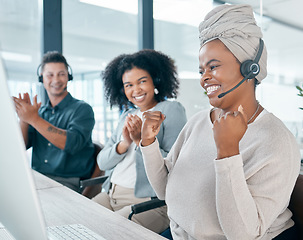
232	170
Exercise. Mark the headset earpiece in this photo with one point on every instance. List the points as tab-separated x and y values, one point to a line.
252	67
39	74
248	66
70	73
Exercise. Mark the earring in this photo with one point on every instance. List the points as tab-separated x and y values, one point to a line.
156	91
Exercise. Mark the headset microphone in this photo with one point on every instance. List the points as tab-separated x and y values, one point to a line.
249	68
232	89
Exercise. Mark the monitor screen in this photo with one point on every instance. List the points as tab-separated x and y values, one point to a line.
20	210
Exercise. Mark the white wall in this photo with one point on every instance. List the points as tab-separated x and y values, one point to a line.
281	100
192	96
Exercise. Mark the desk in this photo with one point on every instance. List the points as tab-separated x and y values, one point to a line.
43	182
61	205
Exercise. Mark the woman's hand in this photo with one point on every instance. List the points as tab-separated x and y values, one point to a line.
134	125
123	145
228	131
151	126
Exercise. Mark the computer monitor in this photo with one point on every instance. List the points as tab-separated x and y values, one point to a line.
20	210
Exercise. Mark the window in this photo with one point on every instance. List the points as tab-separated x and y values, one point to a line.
20	44
94	32
176	34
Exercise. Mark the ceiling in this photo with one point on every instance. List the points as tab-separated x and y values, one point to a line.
288	12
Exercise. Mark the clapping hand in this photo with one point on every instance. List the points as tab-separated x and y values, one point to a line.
131	132
26	111
133	124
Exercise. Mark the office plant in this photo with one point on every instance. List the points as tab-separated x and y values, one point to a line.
300	93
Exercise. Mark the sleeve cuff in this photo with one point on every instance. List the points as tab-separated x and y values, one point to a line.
150	148
226	164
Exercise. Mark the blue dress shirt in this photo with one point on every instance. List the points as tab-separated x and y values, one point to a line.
76	160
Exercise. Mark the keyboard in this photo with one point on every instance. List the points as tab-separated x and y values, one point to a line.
66	232
72	232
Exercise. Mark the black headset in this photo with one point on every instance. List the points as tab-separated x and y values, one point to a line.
40	76
251	67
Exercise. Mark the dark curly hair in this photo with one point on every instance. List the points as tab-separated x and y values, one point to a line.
160	67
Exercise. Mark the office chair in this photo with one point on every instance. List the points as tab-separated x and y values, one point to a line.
145	206
149	205
295	205
88	189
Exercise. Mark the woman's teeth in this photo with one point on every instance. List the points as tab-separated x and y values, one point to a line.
211	89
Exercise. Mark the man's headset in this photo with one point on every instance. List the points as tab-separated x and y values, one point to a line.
40	76
249	69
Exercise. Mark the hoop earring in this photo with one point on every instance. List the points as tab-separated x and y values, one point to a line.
156	91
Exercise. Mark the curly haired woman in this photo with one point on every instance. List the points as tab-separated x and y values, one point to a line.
138	82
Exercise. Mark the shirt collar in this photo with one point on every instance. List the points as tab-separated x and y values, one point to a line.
64	103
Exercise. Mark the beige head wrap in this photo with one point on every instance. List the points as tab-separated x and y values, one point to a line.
236	27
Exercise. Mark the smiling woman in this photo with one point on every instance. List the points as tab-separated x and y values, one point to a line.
139	82
139	88
243	160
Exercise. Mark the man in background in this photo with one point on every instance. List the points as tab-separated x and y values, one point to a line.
59	132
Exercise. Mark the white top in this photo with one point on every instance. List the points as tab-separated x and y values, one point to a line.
124	174
241	197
